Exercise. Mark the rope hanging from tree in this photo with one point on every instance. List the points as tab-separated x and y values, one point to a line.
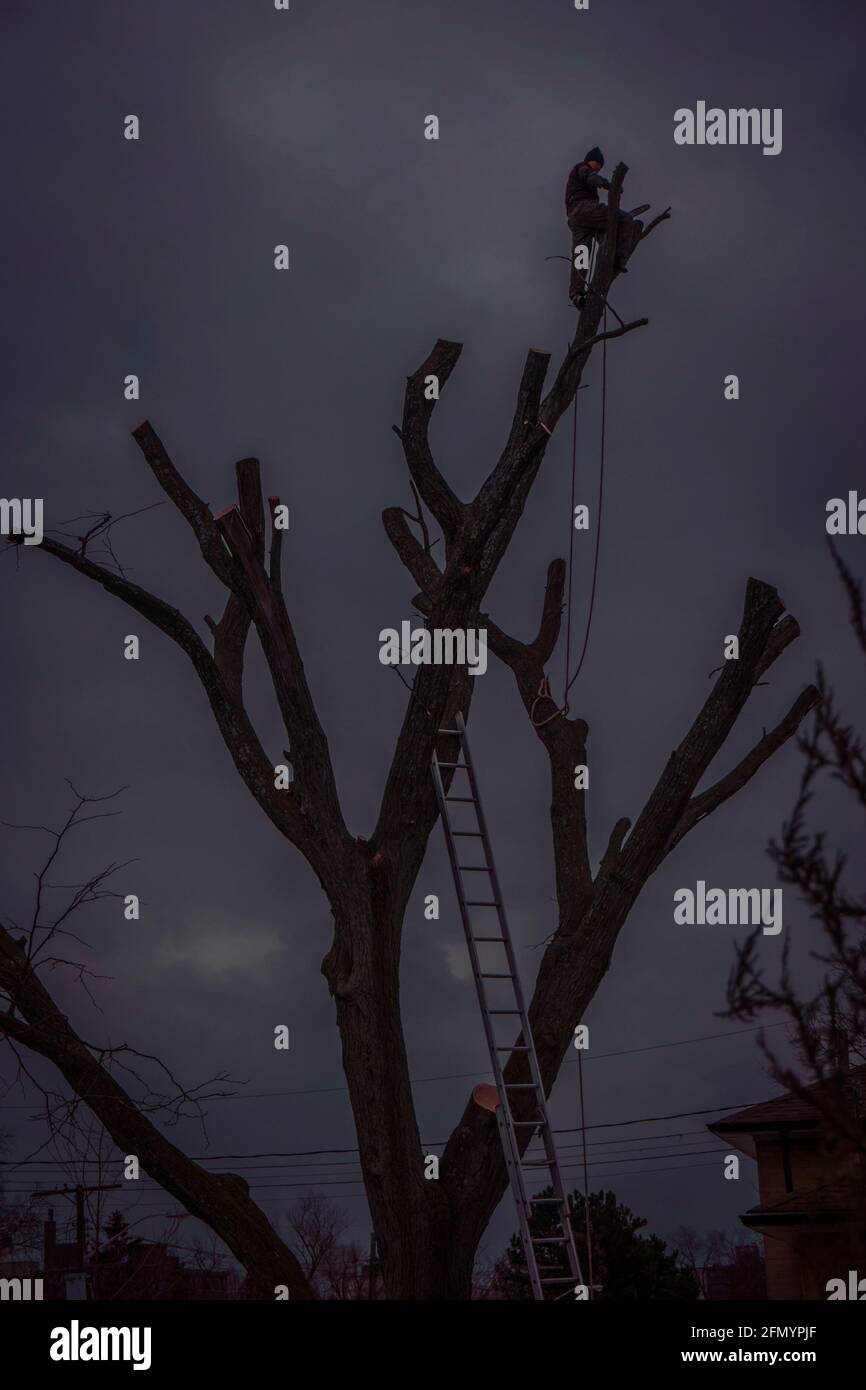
594	588
544	687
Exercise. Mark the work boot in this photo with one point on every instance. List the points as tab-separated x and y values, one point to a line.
620	265
577	293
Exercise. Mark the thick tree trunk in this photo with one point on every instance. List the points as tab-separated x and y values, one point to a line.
362	970
411	1214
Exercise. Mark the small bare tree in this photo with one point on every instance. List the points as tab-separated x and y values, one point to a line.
316	1226
831	1022
428	1231
32	949
20	1233
737	1259
828	1024
347	1276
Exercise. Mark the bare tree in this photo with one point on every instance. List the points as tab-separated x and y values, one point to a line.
31	949
19	1225
832	1020
316	1226
212	1265
733	1263
20	1229
337	1269
347	1276
690	1246
828	1025
428	1231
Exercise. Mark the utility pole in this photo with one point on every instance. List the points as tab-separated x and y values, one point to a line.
585	1176
79	1192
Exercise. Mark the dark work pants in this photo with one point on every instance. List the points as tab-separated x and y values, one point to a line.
589	220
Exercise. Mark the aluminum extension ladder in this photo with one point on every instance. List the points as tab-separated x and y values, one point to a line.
490	896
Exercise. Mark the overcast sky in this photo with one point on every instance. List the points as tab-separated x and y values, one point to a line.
156	257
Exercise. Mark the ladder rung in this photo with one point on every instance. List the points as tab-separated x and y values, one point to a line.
538	1164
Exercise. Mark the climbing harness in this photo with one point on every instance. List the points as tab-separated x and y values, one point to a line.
543	694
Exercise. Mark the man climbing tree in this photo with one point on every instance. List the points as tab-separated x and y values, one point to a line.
428	1232
587	219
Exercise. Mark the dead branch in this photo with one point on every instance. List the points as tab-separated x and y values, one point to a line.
87	1068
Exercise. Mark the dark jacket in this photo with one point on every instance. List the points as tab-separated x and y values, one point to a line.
583	185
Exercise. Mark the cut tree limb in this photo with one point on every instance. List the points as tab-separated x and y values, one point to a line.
708	801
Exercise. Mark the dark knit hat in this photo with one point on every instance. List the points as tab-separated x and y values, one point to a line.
595	155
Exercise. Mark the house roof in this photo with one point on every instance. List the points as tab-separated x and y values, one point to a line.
782	1112
831	1203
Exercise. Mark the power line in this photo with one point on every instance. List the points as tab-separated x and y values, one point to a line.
654	1119
706	1037
647	1141
149	1184
439	1143
640	1139
348	1196
469	1075
327	1177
